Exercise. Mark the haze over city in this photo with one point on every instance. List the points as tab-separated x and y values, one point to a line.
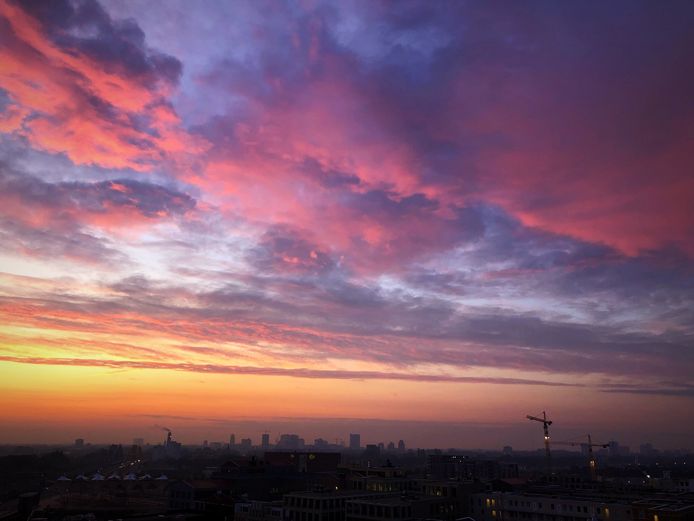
412	220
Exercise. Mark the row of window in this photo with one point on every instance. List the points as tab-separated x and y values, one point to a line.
541	517
314	503
535	505
293	515
379	511
181	494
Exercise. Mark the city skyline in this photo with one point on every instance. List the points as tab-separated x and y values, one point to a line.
445	216
335	432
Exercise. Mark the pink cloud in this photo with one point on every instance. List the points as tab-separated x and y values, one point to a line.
79	107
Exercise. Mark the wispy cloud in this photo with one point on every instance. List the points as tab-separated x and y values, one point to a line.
278	371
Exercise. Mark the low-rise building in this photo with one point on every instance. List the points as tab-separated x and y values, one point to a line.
381	479
258	511
399	507
519	506
200	495
326	505
304	461
677	507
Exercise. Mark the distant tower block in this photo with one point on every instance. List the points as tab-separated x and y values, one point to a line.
265	443
354	441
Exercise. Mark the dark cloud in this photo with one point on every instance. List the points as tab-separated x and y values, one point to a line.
117	45
64	215
66	243
679	391
496	104
104	197
338	319
284	249
415	227
328	178
511	260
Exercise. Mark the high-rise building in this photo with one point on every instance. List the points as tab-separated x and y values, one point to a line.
613	447
372	451
291	442
354	441
79	443
232	441
401	446
647	449
265	443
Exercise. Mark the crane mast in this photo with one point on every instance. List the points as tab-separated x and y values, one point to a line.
592	463
545	427
591	460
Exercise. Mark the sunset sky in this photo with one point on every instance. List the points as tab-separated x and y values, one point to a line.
433	217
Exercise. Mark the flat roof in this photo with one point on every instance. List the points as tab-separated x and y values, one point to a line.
318	494
395	500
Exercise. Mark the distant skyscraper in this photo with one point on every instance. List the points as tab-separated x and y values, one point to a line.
647	449
614	447
401	446
391	446
372	451
290	442
232	441
265	443
354	441
79	443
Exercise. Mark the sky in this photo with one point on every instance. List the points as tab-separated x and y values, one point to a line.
419	220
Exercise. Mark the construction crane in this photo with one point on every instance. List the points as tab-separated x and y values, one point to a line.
592	463
545	426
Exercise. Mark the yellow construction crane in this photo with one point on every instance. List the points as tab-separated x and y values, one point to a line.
592	463
545	426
